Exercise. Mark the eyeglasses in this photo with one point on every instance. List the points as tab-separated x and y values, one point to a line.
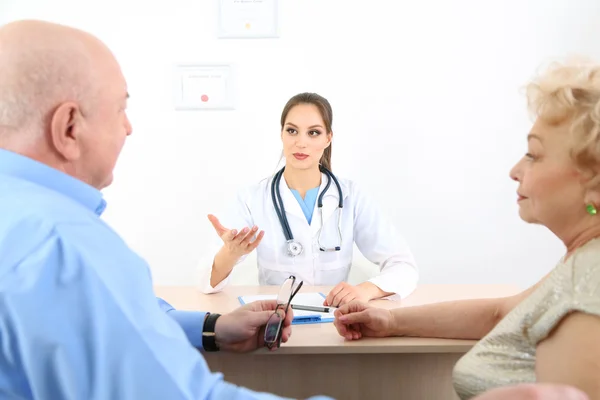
273	330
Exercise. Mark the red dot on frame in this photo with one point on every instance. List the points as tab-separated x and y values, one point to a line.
204	98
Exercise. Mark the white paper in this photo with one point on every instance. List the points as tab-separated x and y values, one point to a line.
305	299
248	19
199	87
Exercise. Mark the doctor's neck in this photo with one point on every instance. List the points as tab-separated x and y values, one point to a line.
302	180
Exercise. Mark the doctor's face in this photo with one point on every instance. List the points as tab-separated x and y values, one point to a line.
304	137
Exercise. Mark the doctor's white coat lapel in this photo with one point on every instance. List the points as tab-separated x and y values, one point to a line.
330	205
290	203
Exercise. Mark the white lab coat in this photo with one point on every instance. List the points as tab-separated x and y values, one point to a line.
362	223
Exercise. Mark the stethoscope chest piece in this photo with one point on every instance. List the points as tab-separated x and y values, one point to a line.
294	248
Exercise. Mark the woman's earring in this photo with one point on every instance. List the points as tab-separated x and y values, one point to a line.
591	209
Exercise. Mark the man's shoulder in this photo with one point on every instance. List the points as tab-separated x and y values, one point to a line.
36	245
25	201
33	220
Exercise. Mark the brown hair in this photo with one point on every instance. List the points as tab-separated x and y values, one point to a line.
326	113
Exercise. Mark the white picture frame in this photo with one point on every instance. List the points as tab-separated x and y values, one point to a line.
203	87
248	19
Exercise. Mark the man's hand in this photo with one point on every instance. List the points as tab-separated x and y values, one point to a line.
531	391
243	330
355	320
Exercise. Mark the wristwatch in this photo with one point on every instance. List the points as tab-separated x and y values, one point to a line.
208	332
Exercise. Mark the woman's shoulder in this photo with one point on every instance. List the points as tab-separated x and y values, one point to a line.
250	191
573	285
348	186
585	268
357	192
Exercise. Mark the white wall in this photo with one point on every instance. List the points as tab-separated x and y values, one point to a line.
427	115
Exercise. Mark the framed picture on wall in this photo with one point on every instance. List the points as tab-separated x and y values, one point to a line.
247	19
203	87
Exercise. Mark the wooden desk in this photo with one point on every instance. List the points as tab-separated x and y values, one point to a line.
316	360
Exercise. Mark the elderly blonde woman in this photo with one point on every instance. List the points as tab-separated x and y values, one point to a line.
550	332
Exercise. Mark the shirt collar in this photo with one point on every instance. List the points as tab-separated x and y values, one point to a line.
25	168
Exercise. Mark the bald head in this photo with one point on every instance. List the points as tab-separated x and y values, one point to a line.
42	65
62	100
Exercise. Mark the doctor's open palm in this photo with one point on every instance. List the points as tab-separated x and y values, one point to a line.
237	243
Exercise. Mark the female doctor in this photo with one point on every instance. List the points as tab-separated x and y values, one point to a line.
311	218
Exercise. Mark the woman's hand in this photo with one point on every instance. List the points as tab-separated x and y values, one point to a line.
344	293
356	320
237	244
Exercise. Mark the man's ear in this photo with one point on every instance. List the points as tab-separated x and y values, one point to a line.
65	130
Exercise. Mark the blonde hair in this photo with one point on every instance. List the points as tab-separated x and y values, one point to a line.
569	93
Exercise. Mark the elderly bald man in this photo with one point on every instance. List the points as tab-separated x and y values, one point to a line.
78	318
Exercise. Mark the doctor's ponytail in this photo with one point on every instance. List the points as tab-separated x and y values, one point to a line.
326	113
326	158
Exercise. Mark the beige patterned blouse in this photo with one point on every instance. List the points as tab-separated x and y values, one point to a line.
506	356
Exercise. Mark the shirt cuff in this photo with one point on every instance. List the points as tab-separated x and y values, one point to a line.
205	283
192	323
402	283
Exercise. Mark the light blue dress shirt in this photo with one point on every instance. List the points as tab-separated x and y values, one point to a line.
78	316
308	202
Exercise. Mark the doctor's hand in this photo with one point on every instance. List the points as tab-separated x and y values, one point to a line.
356	320
533	391
243	330
237	244
344	293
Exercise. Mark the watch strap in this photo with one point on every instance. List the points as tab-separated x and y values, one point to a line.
209	342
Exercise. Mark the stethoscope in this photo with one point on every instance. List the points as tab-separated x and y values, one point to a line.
293	247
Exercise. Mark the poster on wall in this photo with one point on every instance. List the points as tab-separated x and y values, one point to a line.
248	19
203	87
